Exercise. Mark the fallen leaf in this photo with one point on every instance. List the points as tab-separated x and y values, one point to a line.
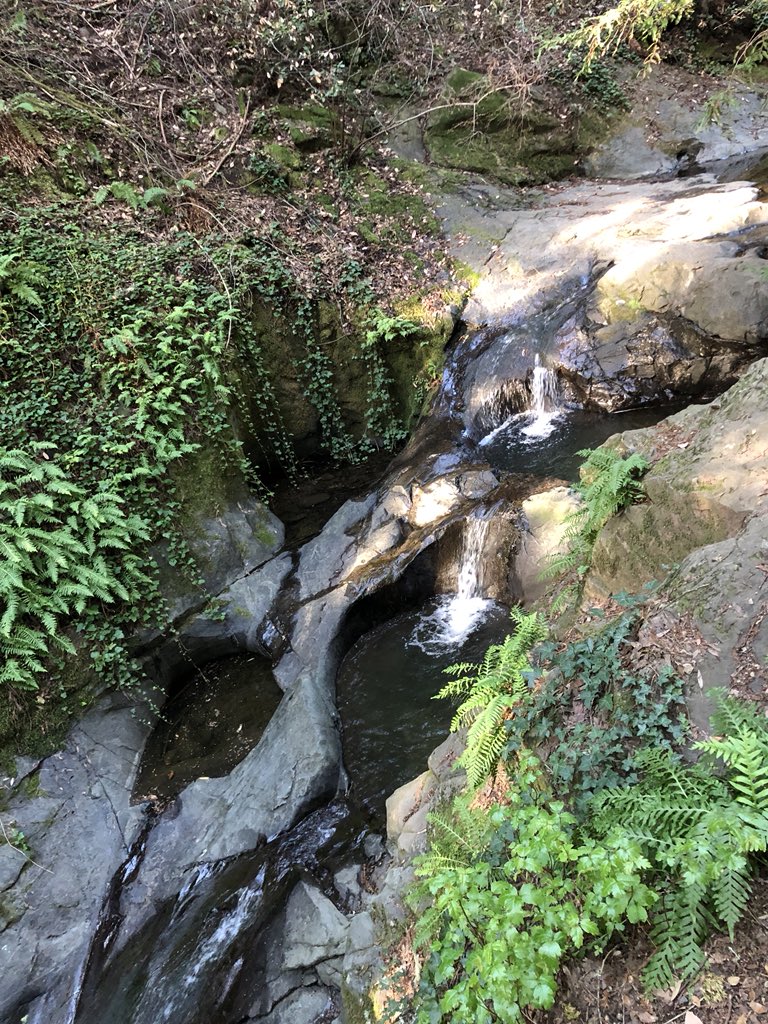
646	1018
758	1008
669	995
734	979
691	1018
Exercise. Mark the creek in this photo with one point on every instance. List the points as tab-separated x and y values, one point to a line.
271	768
202	957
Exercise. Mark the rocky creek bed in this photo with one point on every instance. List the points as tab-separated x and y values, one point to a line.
239	897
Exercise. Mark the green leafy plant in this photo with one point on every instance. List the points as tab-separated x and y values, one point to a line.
381	422
700	832
609	483
62	548
136	200
505	895
593	709
18	282
646	20
489	691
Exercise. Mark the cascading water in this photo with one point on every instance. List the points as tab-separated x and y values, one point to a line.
458	615
543	414
544	402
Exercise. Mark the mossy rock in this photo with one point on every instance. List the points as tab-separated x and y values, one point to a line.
283	156
409	362
36	723
311	127
500	134
647	540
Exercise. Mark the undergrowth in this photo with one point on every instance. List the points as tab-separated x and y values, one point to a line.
609	483
125	353
580	817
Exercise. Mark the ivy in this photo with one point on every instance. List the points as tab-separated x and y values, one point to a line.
123	353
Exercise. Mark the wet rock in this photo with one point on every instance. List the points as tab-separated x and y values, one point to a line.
75	813
639	360
281	779
314	929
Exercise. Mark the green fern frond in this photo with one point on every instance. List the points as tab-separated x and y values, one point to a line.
609	484
731	895
495	686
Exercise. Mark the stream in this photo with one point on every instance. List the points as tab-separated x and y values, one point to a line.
380	586
203	956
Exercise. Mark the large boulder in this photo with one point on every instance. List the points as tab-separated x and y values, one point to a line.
674	124
643	359
708	477
74	811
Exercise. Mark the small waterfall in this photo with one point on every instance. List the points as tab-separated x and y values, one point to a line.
458	615
544	402
473	542
543	413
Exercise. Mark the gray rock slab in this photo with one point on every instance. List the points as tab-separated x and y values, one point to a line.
305	1005
314	929
235	619
225	547
79	829
325	557
295	765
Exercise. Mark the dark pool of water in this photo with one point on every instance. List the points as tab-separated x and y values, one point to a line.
305	507
556	455
385	688
212	721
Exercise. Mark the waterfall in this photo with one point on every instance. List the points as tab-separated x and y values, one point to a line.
544	411
473	542
457	615
544	402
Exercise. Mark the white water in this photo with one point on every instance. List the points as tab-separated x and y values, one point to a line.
172	993
541	419
459	614
544	402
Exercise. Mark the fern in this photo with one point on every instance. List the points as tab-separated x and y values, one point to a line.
609	484
700	831
490	690
62	550
17	279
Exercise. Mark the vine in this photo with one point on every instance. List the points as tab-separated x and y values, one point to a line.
125	353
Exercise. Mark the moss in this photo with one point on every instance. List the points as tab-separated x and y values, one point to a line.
204	486
284	156
468	277
36	723
30	786
310	127
356	1009
374	197
499	135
